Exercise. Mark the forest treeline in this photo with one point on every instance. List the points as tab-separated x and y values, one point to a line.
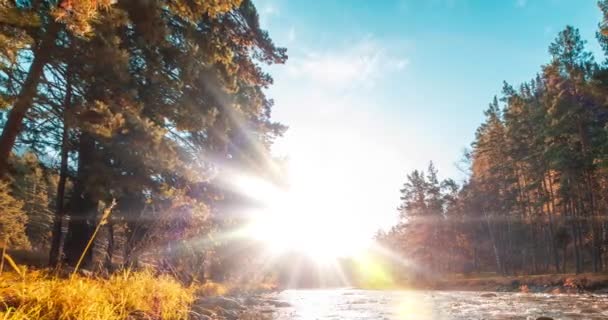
150	104
536	198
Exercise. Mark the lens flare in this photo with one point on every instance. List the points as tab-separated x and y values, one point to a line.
299	219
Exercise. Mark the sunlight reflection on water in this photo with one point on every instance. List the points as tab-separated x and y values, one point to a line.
437	305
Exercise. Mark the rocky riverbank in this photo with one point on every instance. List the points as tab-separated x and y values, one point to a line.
249	307
558	283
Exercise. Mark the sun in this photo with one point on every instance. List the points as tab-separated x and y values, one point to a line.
302	218
325	210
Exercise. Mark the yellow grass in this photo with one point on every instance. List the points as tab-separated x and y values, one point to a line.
38	295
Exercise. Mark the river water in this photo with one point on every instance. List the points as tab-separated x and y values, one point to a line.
437	305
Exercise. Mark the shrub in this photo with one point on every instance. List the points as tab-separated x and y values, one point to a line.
39	295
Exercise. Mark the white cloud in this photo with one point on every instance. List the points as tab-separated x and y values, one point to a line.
358	64
401	64
270	10
267	9
291	35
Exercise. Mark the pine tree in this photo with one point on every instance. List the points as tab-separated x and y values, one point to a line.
42	21
535	198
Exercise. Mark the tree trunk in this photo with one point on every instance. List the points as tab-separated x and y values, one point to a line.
475	259
12	127
509	263
550	208
55	251
577	246
573	208
565	255
83	208
110	249
499	265
535	254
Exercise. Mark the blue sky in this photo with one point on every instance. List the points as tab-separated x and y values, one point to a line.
375	89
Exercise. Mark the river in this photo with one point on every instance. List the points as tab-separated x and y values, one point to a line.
437	305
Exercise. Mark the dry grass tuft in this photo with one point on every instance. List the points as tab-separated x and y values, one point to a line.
38	295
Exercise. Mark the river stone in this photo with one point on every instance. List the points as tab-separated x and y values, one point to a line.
205	312
278	303
230	314
488	295
544	318
222	302
252	301
602	291
195	316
